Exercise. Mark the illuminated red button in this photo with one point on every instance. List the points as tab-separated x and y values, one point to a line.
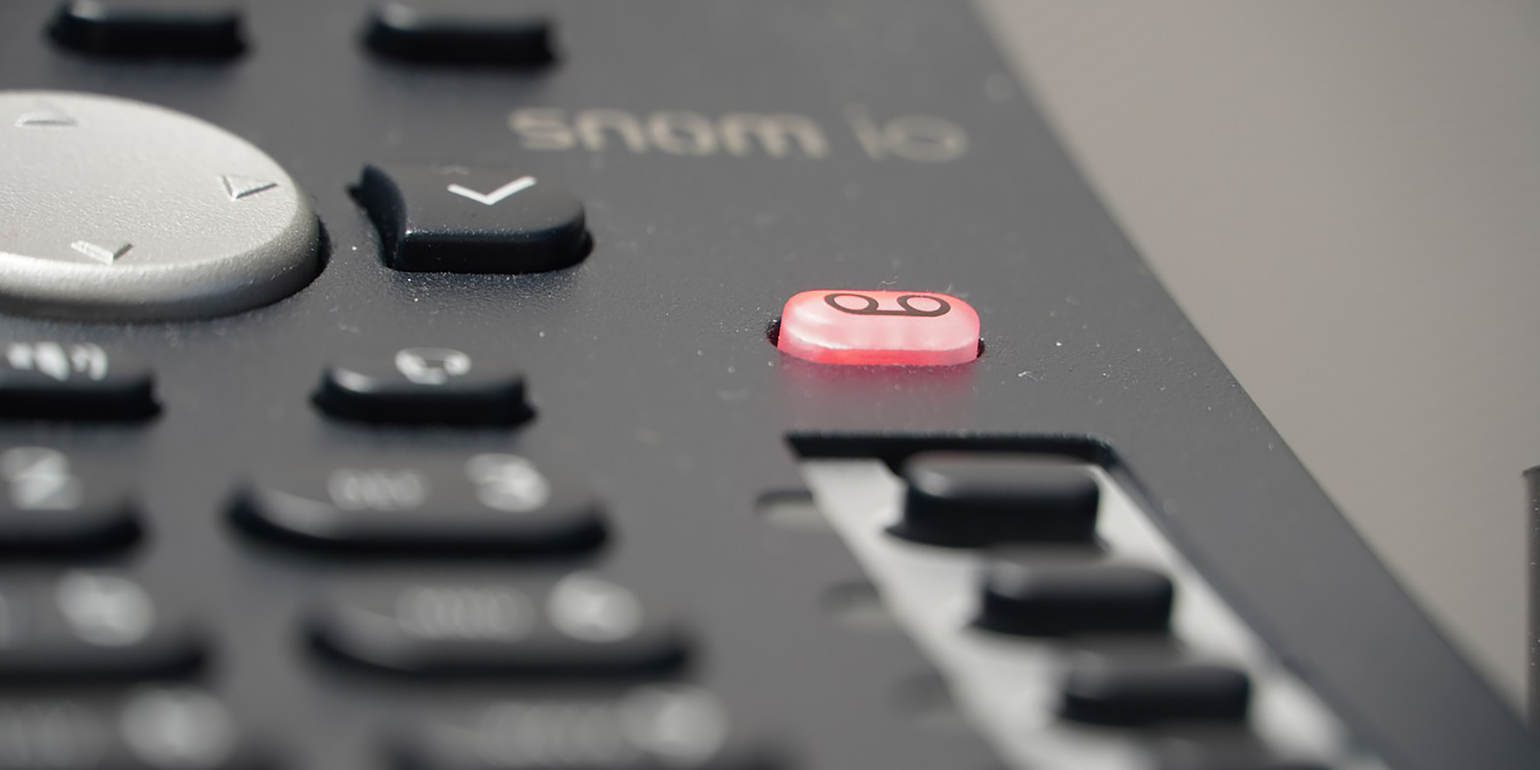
897	328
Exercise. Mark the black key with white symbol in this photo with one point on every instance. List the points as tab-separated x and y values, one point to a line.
653	727
52	502
1111	692
971	500
490	503
1055	599
150	28
579	625
148	728
459	219
92	625
514	34
73	381
425	386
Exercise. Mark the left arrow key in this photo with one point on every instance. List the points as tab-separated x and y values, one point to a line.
100	251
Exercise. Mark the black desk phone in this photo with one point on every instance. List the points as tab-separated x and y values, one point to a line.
634	385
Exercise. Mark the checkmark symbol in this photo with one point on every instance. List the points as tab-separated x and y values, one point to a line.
496	196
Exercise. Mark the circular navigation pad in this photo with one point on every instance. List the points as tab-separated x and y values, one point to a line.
112	209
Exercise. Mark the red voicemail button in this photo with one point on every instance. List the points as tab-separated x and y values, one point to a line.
897	328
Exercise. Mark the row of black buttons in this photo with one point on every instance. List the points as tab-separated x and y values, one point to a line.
507	34
1073	590
974	501
82	381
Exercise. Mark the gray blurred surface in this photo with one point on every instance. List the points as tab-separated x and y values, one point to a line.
1345	197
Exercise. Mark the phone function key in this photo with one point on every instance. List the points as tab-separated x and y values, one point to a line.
150	28
490	503
54	502
1085	598
73	381
511	34
1110	692
462	219
577	625
429	385
888	328
87	625
976	499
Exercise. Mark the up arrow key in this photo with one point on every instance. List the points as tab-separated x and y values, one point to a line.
496	196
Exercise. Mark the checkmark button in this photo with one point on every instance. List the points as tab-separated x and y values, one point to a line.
496	196
464	219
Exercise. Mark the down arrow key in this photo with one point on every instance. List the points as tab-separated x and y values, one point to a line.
462	219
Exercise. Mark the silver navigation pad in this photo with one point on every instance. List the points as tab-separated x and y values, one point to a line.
113	209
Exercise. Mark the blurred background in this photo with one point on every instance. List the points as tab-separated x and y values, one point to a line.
1345	198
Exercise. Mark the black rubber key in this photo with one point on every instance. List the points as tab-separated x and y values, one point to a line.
424	386
489	503
459	219
577	625
150	28
53	502
505	33
1060	599
73	381
149	728
972	500
653	727
1133	694
90	626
